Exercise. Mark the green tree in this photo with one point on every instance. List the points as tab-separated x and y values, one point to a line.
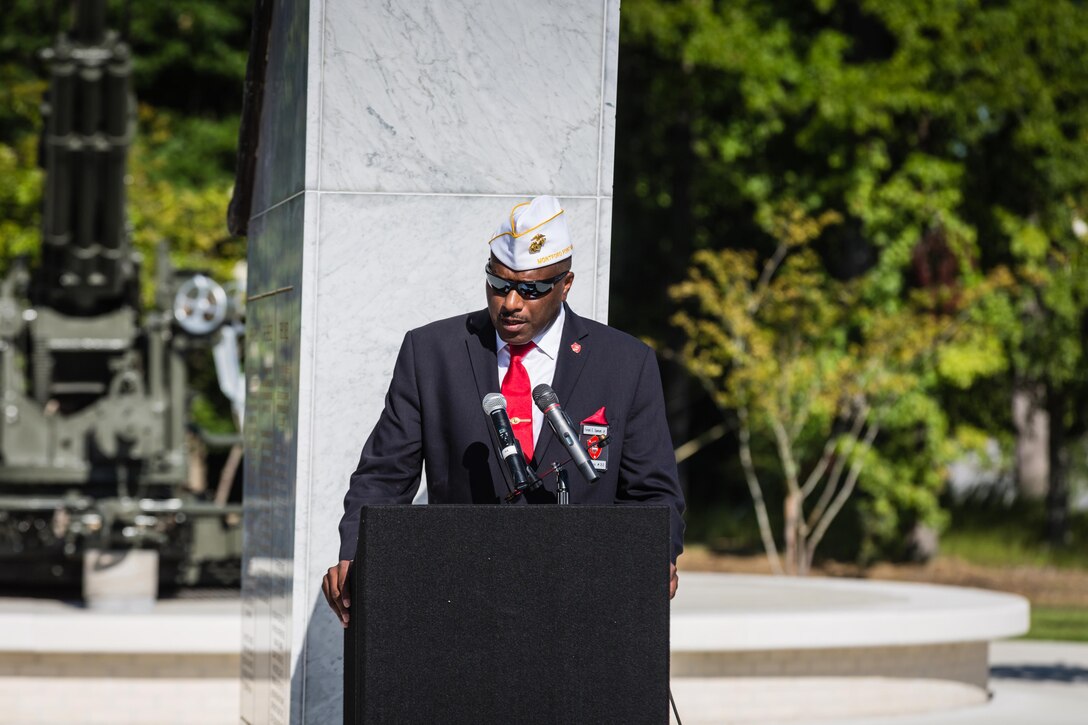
20	177
188	65
801	361
1047	343
941	133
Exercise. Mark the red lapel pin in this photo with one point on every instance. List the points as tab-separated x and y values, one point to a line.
576	347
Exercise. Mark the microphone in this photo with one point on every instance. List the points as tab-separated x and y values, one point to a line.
495	407
548	402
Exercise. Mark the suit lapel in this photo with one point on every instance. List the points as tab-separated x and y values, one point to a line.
568	368
481	353
482	356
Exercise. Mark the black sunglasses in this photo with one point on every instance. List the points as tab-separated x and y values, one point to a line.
526	290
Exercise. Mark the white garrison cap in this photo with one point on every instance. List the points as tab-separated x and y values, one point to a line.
533	235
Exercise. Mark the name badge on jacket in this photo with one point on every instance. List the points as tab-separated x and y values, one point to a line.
594	430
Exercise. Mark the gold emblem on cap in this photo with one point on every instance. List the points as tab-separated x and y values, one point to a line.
538	242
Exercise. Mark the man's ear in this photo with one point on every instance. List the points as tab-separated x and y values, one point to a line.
566	285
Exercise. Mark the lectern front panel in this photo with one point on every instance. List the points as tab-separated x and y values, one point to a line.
509	614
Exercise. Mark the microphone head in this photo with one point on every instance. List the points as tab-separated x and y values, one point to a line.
493	402
544	396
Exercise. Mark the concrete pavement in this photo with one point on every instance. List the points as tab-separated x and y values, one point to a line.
62	667
1032	683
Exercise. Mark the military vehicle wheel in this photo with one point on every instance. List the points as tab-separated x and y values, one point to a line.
200	305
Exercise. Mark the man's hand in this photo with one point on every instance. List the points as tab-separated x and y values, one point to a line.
674	579
335	586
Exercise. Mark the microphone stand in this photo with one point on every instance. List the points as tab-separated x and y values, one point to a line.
562	486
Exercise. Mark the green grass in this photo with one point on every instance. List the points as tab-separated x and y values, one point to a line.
1013	537
1059	623
1011	548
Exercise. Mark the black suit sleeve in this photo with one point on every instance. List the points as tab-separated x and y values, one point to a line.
392	458
648	465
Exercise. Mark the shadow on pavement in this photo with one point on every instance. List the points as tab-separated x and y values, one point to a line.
1041	673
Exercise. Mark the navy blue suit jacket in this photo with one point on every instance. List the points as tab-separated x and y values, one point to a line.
433	420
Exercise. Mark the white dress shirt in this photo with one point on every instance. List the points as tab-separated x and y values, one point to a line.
539	362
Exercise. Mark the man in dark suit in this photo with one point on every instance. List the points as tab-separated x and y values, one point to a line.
607	381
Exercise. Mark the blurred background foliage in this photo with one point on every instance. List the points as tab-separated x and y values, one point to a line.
949	139
844	391
189	60
901	184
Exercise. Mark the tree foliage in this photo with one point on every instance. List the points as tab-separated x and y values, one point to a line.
188	65
949	138
803	362
20	177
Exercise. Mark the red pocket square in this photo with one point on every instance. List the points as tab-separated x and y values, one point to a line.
596	419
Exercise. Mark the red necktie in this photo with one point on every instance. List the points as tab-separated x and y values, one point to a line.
519	398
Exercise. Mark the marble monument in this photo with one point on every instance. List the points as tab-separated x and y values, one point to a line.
392	136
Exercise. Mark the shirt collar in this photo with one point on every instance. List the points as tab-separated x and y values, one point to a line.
548	339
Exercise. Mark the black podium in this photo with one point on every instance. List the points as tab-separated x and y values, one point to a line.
509	614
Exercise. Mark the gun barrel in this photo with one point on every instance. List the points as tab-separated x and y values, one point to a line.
90	22
87	263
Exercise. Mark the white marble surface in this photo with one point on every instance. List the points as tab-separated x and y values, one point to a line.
393	138
602	250
463	96
315	82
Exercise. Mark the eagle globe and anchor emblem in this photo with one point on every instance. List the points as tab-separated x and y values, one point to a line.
537	243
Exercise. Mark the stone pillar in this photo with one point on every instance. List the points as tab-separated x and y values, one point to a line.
392	139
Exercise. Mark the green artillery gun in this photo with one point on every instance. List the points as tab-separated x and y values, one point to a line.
94	436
